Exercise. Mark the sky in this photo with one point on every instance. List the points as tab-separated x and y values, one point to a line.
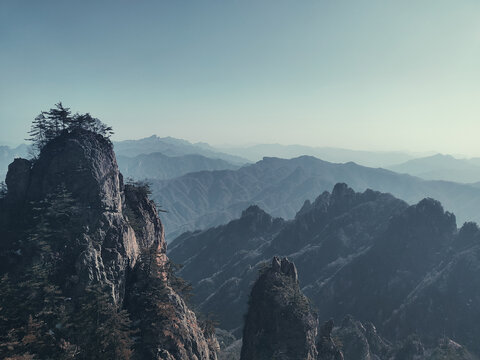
370	75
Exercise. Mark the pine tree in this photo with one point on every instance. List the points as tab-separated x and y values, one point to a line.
59	117
50	124
35	313
103	331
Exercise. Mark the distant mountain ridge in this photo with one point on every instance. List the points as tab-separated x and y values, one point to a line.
162	167
442	167
280	187
172	147
338	155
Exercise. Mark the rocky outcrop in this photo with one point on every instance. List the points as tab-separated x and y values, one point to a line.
280	323
360	341
17	179
107	228
326	347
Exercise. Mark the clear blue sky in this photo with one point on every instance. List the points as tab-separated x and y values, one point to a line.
376	74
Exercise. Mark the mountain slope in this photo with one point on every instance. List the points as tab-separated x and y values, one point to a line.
405	268
280	187
221	262
162	167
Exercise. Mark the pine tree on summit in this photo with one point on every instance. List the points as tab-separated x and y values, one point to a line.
49	124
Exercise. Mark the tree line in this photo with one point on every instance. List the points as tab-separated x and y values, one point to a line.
49	124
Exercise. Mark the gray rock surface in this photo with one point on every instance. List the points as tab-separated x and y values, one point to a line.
114	224
280	323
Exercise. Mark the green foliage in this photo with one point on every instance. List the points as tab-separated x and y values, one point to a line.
34	310
50	124
208	323
133	219
101	328
150	296
180	285
3	189
141	187
37	319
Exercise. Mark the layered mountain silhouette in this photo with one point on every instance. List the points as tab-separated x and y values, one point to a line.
407	269
172	147
442	167
280	187
367	158
162	167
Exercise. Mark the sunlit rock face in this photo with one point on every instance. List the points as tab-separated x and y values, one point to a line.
108	226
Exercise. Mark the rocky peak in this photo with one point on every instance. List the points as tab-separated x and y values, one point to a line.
327	349
430	212
83	162
254	211
106	238
341	190
284	267
319	205
17	179
468	235
280	323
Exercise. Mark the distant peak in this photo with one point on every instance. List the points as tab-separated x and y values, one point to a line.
253	210
430	205
341	190
284	267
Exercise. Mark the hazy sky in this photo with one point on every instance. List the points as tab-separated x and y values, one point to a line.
380	74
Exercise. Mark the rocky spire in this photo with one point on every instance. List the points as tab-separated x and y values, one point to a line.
280	323
326	347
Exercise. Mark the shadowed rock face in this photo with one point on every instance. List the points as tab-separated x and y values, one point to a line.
222	262
113	225
406	269
326	347
280	323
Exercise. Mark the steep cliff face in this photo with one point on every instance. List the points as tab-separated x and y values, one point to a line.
103	232
280	323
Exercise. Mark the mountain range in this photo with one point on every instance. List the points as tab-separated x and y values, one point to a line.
338	155
407	269
442	167
80	248
163	167
280	187
172	147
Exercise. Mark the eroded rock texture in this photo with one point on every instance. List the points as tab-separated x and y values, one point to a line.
280	323
109	229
